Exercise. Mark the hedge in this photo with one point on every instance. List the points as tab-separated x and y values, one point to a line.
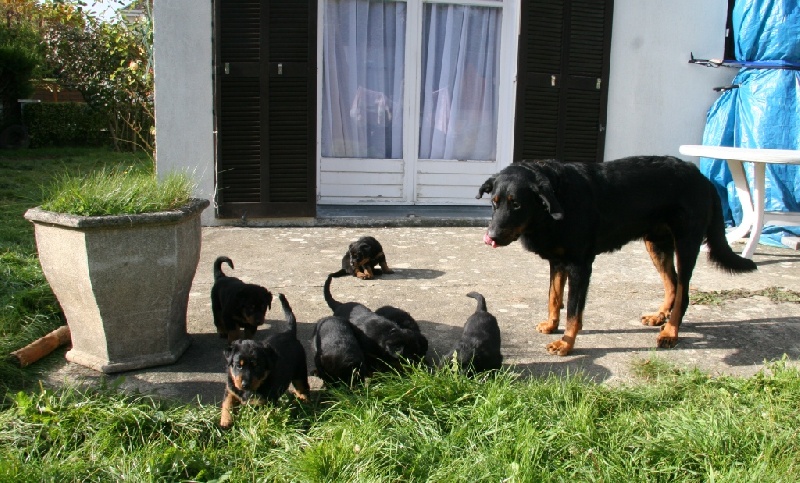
64	124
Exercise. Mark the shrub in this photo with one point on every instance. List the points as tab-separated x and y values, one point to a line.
64	124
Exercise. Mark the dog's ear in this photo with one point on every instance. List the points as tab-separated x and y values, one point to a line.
228	352
269	300
544	189
486	187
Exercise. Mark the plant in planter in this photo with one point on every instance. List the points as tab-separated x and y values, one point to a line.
120	250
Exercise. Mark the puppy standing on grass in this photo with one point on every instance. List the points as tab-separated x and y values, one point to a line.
362	256
479	347
263	370
237	305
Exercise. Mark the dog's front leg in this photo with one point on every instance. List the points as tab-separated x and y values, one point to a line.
662	252
578	276
558	278
364	271
228	404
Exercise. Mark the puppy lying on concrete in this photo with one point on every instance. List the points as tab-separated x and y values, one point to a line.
338	357
404	320
384	343
478	349
362	256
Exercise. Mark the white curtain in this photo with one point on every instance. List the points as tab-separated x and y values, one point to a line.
362	82
362	86
460	62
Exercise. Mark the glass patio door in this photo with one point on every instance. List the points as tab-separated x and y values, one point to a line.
410	98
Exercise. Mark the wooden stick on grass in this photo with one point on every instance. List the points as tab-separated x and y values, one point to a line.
41	347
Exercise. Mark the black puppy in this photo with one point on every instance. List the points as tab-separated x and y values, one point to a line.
362	256
405	321
479	347
237	305
263	370
383	342
337	354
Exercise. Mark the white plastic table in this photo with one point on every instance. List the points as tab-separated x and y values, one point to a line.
753	215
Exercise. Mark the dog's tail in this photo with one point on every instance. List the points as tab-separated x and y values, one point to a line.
218	266
481	301
291	320
719	252
326	291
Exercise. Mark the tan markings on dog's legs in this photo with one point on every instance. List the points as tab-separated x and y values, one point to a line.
368	273
230	401
301	389
555	302
666	270
564	346
668	337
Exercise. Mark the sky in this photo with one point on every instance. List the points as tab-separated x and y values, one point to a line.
106	9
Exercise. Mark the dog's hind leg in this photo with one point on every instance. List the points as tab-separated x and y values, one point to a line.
382	262
578	277
687	250
558	278
662	252
301	389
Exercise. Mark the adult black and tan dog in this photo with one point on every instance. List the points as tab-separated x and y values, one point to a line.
478	349
362	256
568	213
237	305
262	371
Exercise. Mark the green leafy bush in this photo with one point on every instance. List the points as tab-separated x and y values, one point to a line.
64	124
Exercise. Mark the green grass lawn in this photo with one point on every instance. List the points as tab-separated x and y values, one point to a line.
671	425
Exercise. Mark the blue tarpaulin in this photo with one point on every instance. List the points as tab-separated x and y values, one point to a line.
764	111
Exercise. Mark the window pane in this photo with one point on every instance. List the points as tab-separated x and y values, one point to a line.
460	62
362	79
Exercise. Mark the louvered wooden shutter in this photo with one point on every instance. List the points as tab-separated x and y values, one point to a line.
562	83
266	107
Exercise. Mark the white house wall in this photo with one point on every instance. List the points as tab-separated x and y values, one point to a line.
184	96
657	100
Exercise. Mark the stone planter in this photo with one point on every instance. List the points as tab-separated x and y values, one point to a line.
123	282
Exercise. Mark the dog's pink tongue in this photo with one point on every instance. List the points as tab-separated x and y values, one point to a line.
488	240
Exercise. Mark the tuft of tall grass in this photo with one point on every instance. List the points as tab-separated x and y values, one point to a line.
117	191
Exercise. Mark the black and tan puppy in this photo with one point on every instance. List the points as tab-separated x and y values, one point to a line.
262	371
568	213
362	256
405	321
383	342
338	357
478	349
237	305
